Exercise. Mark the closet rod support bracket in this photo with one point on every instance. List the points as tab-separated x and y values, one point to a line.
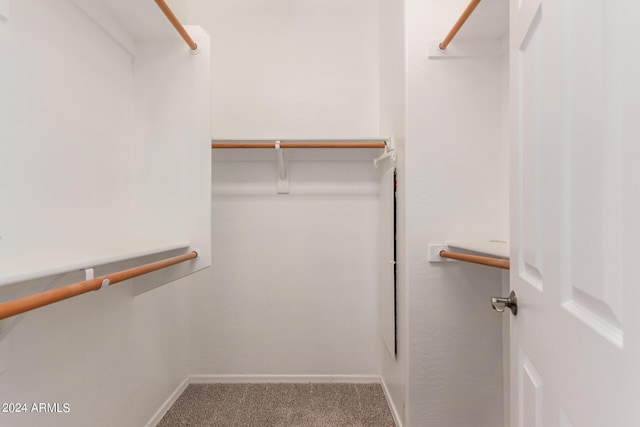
283	177
434	253
389	152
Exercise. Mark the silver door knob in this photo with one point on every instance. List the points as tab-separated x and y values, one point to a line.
500	304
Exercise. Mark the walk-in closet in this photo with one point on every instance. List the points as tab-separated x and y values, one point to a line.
385	213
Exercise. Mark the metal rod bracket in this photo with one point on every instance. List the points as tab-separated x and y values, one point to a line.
389	152
283	178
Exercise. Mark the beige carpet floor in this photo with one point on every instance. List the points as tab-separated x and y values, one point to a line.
280	405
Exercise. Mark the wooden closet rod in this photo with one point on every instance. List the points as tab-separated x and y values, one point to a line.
176	23
459	23
22	305
299	144
492	262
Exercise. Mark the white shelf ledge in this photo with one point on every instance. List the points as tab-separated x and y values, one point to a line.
494	248
297	155
32	266
466	49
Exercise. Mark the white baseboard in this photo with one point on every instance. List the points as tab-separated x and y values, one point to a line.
155	419
241	379
392	406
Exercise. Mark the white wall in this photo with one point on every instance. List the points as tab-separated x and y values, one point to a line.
172	149
91	152
293	286
113	358
292	68
455	190
392	122
46	122
70	178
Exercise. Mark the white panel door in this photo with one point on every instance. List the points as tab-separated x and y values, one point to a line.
575	193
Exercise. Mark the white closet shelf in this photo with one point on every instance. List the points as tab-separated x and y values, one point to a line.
492	253
32	266
494	248
297	155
